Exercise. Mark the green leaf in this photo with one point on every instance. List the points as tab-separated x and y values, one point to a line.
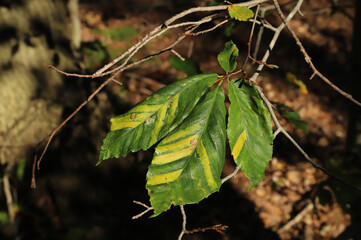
188	66
150	120
249	131
240	13
228	57
4	218
187	164
20	170
292	117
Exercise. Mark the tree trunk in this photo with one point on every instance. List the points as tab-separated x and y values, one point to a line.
33	33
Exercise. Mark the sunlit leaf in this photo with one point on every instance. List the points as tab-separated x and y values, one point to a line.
249	131
187	164
240	13
228	57
150	120
293	79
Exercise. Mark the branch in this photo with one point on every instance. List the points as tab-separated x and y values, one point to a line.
297	218
147	209
308	59
9	197
305	155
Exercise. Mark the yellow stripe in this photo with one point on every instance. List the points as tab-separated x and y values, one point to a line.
146	108
184	143
237	148
158	124
164	178
173	156
134	117
203	157
189	130
173	107
128	121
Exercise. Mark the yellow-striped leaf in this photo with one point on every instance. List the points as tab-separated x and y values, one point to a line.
187	164
156	116
249	131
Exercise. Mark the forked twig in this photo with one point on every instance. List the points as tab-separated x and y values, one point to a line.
147	209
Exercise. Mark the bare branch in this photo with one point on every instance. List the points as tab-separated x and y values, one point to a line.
305	155
308	58
147	209
184	223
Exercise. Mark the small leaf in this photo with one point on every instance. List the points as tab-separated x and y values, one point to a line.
188	66
187	164
273	66
228	57
292	117
249	131
150	120
240	13
293	79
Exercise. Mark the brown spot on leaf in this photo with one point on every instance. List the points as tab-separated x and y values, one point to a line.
193	147
151	191
193	141
156	96
134	115
149	120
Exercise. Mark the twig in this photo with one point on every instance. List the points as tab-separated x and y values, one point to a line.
147	209
261	29
305	155
296	219
184	223
177	54
210	29
250	38
274	40
308	58
9	197
218	227
51	136
230	175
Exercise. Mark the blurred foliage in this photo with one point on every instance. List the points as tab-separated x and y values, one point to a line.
4	218
120	34
293	79
292	117
188	66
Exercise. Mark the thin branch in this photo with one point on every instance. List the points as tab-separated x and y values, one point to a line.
147	209
305	155
9	197
184	223
230	175
218	227
297	218
250	38
177	54
51	136
308	58
210	29
274	40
